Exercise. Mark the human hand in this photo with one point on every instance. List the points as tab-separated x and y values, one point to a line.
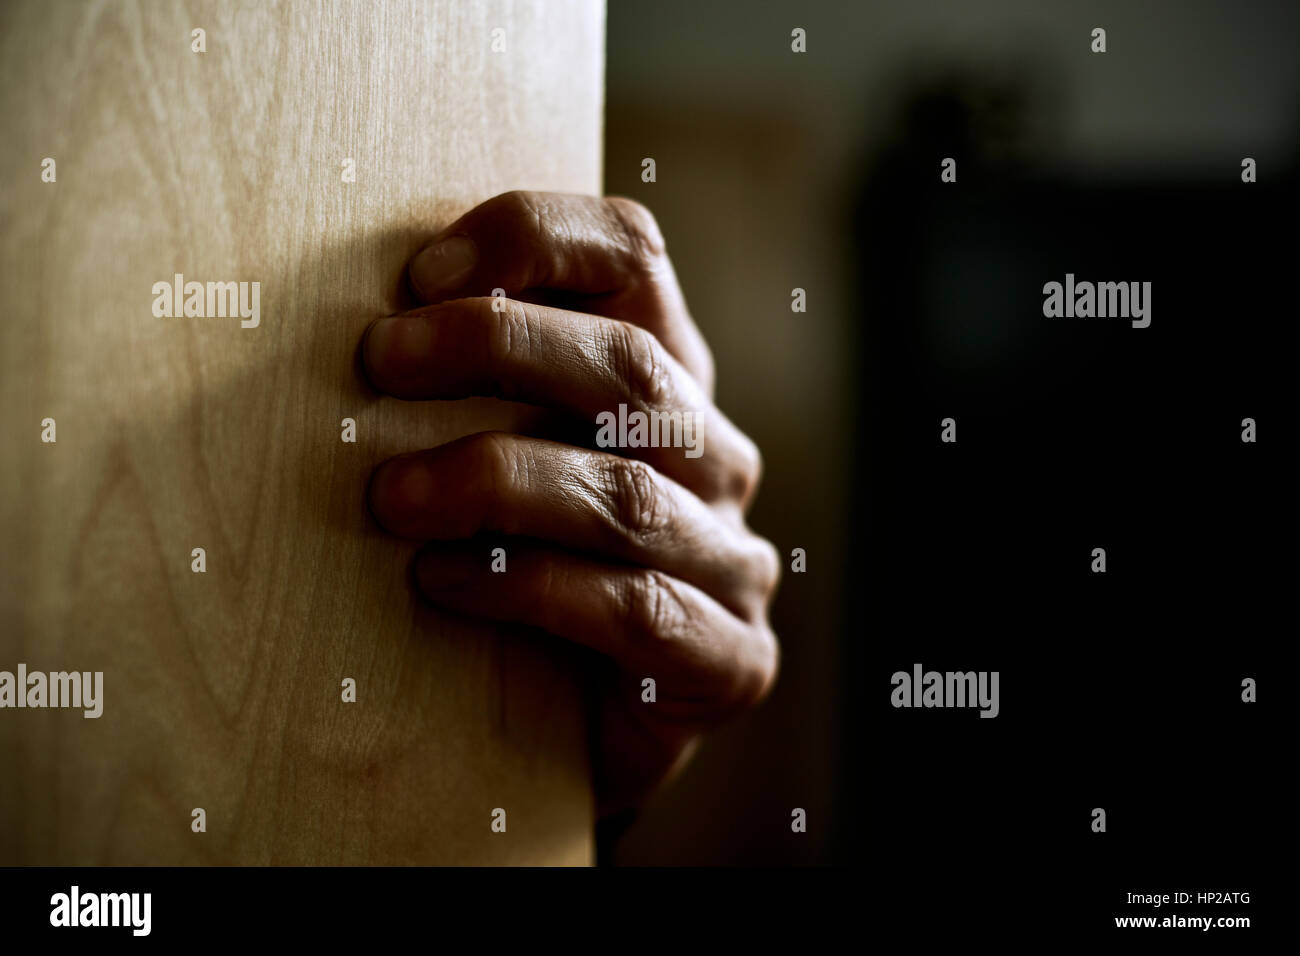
642	555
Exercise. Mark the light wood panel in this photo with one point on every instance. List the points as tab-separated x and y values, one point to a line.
222	689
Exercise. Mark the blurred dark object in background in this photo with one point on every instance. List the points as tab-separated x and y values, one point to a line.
820	171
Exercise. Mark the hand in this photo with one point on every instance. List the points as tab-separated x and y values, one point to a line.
642	555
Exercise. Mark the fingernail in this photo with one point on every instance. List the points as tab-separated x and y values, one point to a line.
398	348
443	267
402	494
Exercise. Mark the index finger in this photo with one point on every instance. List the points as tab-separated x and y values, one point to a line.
608	250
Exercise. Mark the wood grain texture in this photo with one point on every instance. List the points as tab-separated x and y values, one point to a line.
222	689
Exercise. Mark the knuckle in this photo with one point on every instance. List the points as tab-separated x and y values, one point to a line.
511	328
520	213
634	507
746	473
645	240
642	608
753	675
518	204
759	673
498	461
747	676
651	609
639	361
768	567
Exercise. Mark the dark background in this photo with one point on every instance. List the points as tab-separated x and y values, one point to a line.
1118	690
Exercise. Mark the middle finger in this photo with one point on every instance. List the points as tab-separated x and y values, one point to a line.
603	370
585	500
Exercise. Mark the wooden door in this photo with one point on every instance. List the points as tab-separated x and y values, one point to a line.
222	689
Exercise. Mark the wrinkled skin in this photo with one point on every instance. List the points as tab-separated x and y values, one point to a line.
642	555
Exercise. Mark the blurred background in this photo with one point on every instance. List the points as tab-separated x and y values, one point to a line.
820	170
